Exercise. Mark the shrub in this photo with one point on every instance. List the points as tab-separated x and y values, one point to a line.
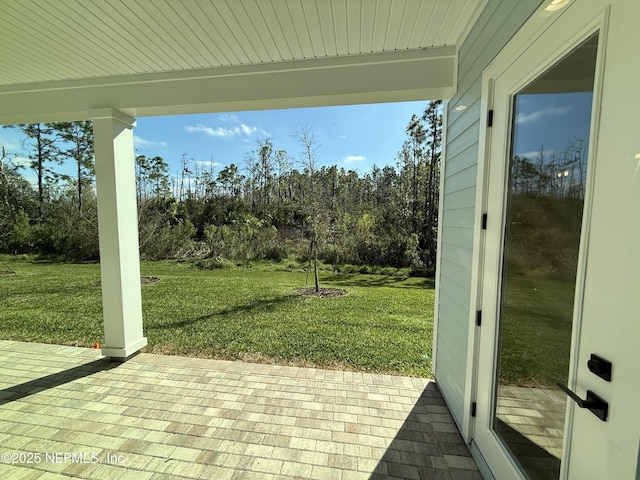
214	263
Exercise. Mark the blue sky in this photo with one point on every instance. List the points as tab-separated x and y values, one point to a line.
354	137
552	120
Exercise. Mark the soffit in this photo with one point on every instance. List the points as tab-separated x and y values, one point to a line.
71	40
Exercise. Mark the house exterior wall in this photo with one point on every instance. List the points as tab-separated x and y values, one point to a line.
496	25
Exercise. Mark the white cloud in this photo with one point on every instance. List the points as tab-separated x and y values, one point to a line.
530	155
228	117
21	161
538	114
207	163
354	158
343	136
224	132
143	143
247	130
535	154
8	146
213	132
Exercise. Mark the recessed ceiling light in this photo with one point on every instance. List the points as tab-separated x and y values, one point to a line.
459	108
555	5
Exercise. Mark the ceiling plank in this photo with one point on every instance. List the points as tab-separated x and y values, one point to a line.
382	28
314	29
407	16
81	39
367	26
340	23
300	28
354	24
438	17
329	34
281	48
422	22
265	31
244	24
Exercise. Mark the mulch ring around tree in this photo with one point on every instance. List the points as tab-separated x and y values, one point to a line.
143	281
322	293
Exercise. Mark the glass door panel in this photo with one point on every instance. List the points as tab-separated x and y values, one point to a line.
551	120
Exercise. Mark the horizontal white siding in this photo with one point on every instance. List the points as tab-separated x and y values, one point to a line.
495	26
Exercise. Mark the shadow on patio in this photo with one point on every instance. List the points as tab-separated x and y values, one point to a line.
67	413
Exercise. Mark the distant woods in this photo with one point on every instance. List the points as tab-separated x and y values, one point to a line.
546	200
272	204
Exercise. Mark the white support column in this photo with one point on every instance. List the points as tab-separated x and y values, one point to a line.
118	231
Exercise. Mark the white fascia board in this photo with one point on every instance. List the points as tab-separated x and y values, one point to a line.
384	77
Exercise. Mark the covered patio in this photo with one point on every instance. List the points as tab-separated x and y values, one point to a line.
171	417
156	417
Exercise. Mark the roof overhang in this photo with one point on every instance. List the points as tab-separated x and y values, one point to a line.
279	54
384	77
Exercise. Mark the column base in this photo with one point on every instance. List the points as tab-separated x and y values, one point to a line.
124	353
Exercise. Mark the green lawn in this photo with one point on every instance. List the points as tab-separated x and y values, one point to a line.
383	324
536	332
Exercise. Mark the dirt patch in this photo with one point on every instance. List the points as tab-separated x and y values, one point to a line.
323	293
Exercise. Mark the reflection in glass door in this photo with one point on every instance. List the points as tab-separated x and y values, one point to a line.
545	196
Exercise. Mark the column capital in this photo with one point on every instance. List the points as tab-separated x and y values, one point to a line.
112	114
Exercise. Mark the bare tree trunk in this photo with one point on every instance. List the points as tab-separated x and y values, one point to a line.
79	182
40	171
3	179
315	267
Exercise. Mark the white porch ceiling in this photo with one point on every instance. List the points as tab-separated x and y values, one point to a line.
70	44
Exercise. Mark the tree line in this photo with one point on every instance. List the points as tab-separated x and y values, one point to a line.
546	201
273	204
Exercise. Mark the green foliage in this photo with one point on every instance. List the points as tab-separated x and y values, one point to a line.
544	235
213	263
170	241
279	207
60	232
20	236
250	239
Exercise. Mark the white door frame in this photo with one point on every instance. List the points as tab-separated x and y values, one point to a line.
524	58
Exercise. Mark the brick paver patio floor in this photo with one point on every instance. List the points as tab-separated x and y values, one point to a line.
66	412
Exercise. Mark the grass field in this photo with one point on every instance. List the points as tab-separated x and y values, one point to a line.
536	331
383	324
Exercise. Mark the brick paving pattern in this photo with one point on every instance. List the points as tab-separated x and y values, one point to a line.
163	417
531	422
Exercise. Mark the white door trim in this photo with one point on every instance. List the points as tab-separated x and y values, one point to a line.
543	32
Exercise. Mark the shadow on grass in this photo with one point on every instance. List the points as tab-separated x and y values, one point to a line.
420	445
53	259
16	392
260	305
360	280
62	290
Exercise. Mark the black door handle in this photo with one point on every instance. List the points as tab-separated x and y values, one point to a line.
595	404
